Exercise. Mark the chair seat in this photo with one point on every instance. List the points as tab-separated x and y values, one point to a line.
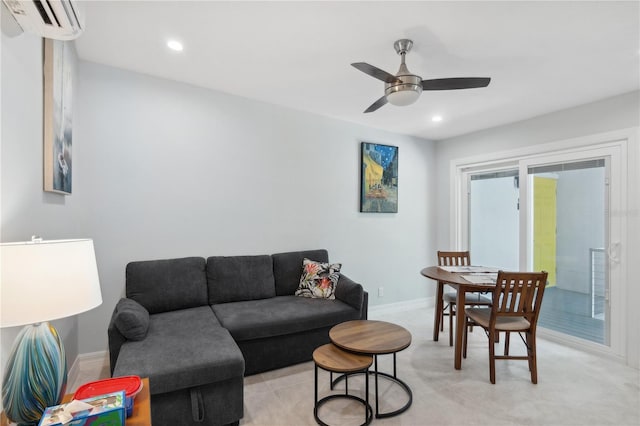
481	317
470	298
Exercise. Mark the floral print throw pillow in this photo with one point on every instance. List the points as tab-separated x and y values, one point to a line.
318	279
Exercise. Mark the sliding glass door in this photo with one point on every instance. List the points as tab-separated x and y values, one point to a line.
551	212
568	216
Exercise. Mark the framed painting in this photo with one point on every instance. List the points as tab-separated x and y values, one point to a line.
58	80
378	178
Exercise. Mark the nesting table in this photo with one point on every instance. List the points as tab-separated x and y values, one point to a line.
334	360
374	338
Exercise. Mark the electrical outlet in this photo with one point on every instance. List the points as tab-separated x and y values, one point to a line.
380	291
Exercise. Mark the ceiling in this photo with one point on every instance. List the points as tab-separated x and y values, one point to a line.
541	56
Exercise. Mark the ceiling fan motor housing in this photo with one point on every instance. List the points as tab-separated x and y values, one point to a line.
406	91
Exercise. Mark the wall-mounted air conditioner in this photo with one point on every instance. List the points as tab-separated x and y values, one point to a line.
56	19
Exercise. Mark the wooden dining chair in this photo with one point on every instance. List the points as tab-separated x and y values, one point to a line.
516	305
457	258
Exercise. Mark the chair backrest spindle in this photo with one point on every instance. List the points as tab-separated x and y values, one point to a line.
519	294
454	258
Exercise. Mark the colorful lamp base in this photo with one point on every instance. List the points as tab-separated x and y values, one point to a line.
35	375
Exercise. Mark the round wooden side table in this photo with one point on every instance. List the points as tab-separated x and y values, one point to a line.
374	338
334	360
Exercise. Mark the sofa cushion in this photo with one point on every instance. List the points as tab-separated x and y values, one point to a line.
236	278
131	319
167	285
318	279
183	349
280	315
287	268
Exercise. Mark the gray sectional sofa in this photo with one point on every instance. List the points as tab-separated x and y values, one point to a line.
196	327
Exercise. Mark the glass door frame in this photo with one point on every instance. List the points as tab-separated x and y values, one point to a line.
614	150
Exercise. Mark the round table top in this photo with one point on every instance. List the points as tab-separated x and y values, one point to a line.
454	278
332	358
370	337
439	274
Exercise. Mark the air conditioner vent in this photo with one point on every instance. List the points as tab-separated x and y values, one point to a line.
43	14
56	19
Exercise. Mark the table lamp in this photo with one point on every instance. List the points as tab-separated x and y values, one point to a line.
42	281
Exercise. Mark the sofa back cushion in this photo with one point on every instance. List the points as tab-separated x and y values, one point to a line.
287	268
167	285
237	278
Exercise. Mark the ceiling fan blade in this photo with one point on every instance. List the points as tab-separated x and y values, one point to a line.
455	83
377	104
375	72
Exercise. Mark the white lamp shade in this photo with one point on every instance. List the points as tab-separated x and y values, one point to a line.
47	280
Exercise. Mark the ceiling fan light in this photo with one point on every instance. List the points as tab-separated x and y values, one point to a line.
403	98
404	93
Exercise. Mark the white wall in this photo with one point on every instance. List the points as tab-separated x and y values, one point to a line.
175	170
619	112
25	208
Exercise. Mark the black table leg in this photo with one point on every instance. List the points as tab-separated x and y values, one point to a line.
368	411
393	378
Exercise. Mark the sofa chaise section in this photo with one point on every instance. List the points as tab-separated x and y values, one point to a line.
195	368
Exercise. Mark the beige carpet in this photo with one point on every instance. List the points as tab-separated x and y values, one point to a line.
573	388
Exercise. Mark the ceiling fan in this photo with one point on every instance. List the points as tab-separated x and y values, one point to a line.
404	88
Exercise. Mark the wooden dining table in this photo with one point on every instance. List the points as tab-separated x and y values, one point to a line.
462	286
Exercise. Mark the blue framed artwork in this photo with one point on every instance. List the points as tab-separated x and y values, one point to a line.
378	178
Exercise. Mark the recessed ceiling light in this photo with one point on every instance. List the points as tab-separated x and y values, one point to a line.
436	118
175	45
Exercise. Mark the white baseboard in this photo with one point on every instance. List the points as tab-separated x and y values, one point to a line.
85	362
74	373
406	305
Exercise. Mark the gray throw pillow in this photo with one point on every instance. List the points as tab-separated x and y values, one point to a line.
132	319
